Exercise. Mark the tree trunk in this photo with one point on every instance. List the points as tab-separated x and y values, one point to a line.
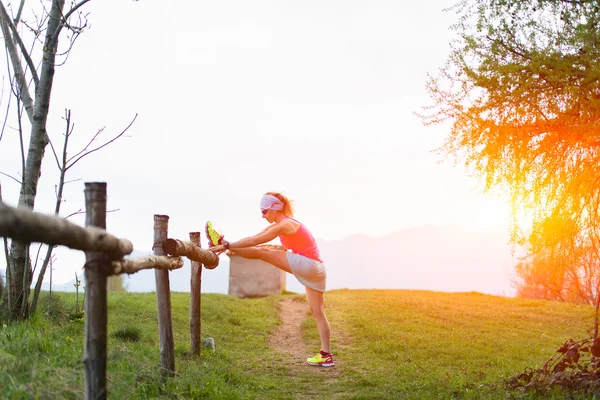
37	146
596	307
40	281
59	194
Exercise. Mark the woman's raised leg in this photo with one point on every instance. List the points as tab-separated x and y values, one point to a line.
274	257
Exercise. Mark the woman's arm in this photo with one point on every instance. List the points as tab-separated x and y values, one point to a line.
267	234
257	239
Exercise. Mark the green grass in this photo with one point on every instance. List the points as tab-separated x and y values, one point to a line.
388	344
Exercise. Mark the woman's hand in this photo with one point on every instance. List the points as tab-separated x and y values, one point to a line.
218	249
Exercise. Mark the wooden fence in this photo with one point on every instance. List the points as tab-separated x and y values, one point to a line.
104	257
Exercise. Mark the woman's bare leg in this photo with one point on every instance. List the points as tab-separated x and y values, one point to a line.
315	299
317	308
277	258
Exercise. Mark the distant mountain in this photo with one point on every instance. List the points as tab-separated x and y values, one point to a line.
439	258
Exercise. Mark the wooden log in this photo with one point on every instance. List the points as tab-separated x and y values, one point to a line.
132	266
195	298
163	298
94	357
26	226
176	247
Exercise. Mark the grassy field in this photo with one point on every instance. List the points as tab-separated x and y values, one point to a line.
388	344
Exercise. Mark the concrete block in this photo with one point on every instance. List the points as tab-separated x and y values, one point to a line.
254	278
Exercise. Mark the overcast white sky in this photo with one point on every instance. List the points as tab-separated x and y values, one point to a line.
236	98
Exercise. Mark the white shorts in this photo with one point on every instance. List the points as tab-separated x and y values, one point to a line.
311	273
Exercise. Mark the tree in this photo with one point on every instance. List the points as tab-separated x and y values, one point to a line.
37	76
567	270
521	88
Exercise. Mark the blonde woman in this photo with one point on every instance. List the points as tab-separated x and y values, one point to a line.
303	260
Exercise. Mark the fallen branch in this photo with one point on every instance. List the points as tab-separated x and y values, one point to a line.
176	247
26	226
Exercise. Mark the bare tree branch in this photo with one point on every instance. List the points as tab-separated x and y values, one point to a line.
87	145
54	153
17	37
19	12
80	211
17	67
11	177
37	258
38	286
67	134
36	32
77	30
104	145
66	17
7	111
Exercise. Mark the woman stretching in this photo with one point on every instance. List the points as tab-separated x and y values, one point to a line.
304	261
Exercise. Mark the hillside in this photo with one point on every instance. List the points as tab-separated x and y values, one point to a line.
387	344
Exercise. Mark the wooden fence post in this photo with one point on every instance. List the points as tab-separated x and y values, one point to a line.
163	298
94	357
195	298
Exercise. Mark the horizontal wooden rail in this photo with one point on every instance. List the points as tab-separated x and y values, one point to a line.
26	226
131	266
176	247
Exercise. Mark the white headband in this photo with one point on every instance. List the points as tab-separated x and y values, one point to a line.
270	202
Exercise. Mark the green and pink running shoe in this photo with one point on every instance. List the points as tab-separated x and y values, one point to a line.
321	360
214	237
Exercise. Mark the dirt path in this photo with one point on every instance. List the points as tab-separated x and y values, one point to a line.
288	339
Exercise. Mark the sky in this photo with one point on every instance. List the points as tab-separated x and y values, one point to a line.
231	99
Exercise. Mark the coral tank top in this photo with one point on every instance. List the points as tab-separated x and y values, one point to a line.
302	242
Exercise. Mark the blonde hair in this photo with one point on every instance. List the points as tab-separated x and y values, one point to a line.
288	209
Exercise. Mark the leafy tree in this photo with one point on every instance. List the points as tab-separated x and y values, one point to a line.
568	270
521	88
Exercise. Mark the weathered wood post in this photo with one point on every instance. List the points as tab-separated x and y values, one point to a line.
163	298
195	298
94	357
